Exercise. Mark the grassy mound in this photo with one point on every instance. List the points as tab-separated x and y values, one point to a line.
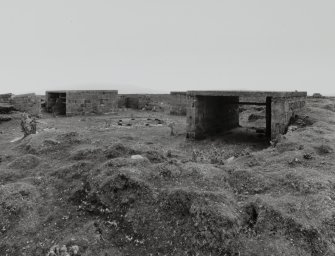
118	150
18	207
25	162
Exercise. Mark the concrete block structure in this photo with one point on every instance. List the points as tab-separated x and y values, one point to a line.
6	98
29	103
133	101
77	102
178	103
212	112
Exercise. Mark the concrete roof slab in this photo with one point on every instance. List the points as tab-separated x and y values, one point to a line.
249	93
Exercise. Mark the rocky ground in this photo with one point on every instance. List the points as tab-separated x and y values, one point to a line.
122	185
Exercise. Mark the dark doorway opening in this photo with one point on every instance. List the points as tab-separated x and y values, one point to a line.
56	103
233	119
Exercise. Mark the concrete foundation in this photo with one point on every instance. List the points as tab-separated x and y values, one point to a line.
213	112
72	103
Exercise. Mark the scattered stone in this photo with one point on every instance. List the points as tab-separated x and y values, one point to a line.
155	156
159	121
137	157
28	124
292	128
118	150
294	161
56	250
16	139
230	159
308	156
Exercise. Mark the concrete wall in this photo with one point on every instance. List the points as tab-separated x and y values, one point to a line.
178	103
6	98
133	101
30	103
209	115
85	102
157	102
282	110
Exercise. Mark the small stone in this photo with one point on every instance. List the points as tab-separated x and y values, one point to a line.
136	157
230	159
74	249
308	156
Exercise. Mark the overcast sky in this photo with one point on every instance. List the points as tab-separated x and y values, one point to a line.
159	46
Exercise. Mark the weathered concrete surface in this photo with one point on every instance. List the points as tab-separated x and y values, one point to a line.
6	98
178	103
79	102
211	115
151	102
29	103
282	110
133	101
211	112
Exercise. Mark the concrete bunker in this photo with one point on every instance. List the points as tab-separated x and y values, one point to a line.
77	102
213	112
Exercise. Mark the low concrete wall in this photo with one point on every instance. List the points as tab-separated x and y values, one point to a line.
153	102
30	103
6	98
282	110
134	101
85	102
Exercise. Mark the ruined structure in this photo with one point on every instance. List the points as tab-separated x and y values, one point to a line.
151	102
76	102
6	98
134	101
212	112
178	103
29	103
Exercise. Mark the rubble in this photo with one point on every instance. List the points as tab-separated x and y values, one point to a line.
28	124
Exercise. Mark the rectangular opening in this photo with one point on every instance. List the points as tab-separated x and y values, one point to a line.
252	115
243	119
214	112
56	103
